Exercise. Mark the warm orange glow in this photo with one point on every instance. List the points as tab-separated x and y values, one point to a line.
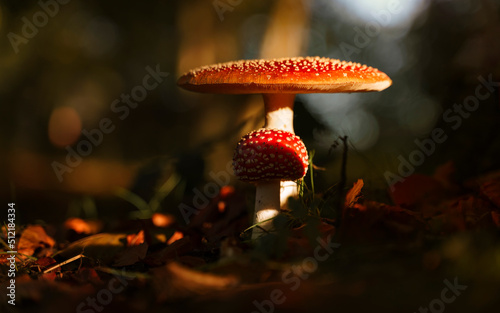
221	206
81	226
162	220
32	238
135	239
176	236
354	194
65	126
225	191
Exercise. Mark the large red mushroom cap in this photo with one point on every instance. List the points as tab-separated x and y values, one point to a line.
270	154
287	75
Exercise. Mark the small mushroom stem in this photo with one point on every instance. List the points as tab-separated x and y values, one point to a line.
288	189
267	206
279	115
279	111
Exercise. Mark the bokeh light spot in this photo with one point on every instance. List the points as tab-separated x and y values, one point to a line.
387	13
65	126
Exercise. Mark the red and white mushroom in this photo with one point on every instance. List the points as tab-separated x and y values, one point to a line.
279	81
265	157
269	154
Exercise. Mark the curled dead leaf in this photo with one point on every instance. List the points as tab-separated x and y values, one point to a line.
354	194
32	238
135	239
491	190
417	190
103	246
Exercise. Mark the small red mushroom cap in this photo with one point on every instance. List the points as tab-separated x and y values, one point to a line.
270	154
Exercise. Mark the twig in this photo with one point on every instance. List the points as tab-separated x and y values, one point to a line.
64	263
342	183
311	170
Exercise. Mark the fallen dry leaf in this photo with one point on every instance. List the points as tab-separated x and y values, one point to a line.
45	262
86	275
354	195
135	239
415	190
176	236
131	255
215	223
472	209
32	238
477	182
103	247
380	222
491	190
170	252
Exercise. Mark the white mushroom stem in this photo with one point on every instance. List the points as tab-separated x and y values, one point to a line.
288	189
267	206
273	196
279	111
279	115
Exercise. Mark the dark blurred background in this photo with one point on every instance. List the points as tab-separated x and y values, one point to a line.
69	66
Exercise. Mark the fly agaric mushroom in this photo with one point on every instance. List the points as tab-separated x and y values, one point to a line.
266	157
279	81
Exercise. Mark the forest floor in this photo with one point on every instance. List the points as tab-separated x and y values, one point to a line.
436	247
